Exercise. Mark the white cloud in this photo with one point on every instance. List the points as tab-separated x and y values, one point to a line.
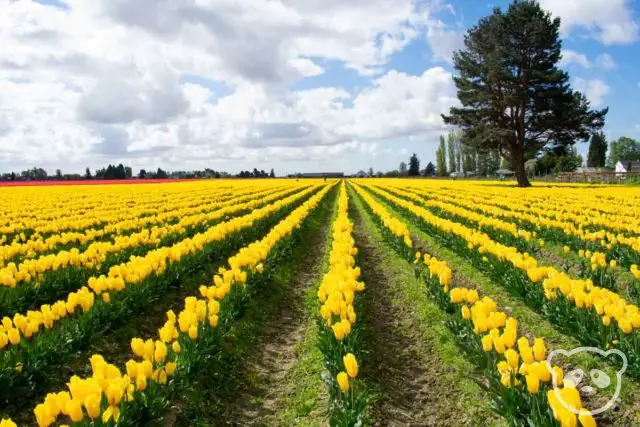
595	90
443	42
603	61
606	62
105	80
609	21
572	57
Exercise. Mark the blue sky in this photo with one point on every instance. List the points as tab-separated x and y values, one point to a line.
300	85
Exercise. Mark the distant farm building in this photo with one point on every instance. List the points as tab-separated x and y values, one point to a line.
625	166
317	175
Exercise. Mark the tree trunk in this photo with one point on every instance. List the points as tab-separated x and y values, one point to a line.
521	173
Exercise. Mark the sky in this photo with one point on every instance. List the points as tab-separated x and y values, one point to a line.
294	85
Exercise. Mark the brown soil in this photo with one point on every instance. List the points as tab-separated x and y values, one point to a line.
401	363
261	387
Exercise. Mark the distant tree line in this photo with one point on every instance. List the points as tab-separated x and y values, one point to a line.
256	174
118	172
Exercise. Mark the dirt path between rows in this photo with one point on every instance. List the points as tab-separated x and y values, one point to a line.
262	377
402	364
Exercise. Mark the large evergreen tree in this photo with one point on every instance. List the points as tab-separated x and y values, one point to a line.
414	165
513	96
597	150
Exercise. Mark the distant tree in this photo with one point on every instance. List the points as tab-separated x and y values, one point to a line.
272	174
430	170
513	96
392	174
414	165
161	174
597	150
451	152
121	173
370	173
569	162
142	174
402	169
87	173
441	158
128	172
217	174
58	174
624	148
379	174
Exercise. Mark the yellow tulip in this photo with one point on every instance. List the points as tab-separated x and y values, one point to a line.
193	332
74	410
539	349
176	347
533	383
351	365
14	336
487	343
513	359
170	368
141	382
586	419
92	405
343	381
466	313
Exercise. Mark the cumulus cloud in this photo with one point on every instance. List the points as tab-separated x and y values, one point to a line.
595	90
572	57
127	80
609	21
443	41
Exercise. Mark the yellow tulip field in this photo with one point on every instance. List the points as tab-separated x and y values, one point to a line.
320	302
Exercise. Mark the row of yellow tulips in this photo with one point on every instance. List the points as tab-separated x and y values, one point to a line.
97	252
608	207
541	219
137	218
593	265
134	271
110	394
337	295
498	333
43	210
576	300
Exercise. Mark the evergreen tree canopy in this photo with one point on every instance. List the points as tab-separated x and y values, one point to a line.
414	165
430	170
597	150
513	96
